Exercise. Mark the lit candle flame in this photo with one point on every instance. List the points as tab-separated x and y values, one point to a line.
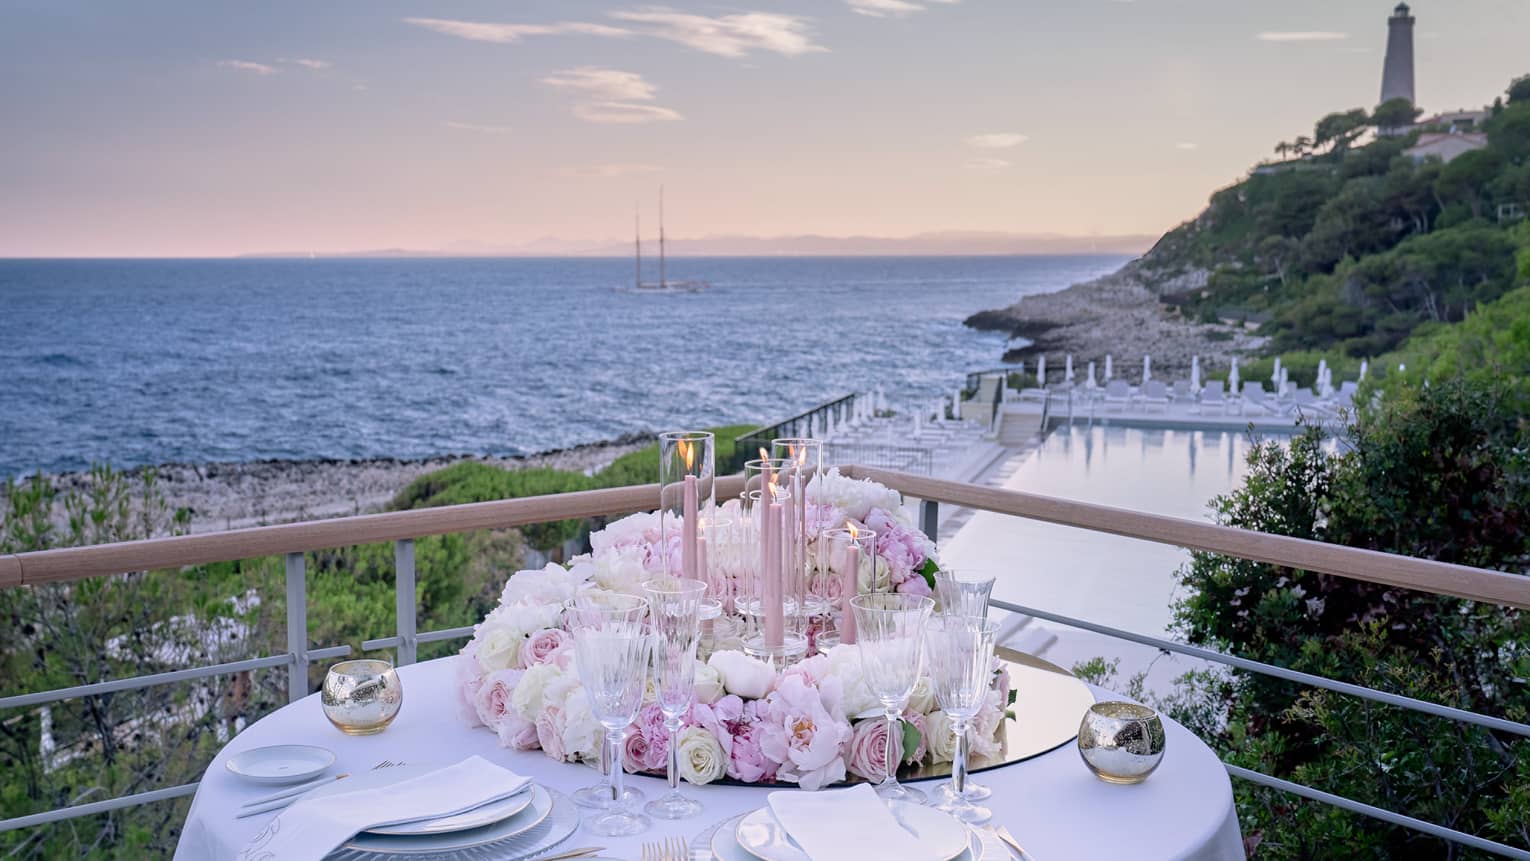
688	452
854	533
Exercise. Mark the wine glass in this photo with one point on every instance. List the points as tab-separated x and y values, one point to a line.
674	613
611	648
597	795
961	665
963	592
890	629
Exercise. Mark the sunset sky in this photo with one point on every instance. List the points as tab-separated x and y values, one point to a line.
184	128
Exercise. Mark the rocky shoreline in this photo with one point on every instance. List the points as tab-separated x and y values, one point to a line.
222	496
1121	315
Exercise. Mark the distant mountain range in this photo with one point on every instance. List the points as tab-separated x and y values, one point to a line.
949	243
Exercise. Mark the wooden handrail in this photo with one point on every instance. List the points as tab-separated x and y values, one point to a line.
78	563
1440	578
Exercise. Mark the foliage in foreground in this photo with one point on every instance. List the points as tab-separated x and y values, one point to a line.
1439	472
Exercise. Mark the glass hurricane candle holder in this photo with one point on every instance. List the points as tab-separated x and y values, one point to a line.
846	565
361	697
775	606
804	461
687	478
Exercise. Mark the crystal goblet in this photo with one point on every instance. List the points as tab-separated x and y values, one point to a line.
611	648
890	629
963	592
674	614
961	667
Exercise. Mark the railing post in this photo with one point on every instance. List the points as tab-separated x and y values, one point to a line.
403	563
929	517
297	628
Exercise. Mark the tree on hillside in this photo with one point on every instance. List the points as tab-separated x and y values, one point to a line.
1465	179
1283	149
1509	132
1338	131
1519	90
1395	114
1302	145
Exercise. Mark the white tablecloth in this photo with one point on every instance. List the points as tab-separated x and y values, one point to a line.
1054	806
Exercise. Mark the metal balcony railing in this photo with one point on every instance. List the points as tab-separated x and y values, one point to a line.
293	540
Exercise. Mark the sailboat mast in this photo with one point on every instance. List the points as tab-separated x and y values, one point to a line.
637	242
661	238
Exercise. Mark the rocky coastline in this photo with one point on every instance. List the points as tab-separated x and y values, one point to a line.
222	496
1119	314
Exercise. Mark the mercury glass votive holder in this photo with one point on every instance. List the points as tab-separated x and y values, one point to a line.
361	697
1121	742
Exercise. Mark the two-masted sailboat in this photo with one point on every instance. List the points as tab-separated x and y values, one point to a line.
663	285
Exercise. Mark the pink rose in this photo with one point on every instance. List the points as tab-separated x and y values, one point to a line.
469	678
517	733
636	750
868	749
543	646
492	701
550	733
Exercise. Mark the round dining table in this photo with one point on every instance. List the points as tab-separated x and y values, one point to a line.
1053	805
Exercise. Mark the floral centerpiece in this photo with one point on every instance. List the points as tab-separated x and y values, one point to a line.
810	724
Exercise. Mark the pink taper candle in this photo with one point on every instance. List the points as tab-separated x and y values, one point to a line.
688	559
851	585
775	611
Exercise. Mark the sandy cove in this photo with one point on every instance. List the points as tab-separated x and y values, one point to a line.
225	496
1120	315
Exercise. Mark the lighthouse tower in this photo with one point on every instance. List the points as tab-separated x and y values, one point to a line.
1397	77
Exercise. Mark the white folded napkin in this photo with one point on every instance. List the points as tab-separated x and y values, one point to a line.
834	824
313	827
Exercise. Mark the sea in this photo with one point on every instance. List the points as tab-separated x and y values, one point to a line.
141	362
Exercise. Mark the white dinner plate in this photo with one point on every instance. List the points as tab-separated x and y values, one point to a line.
477	817
282	763
454	841
725	845
945	837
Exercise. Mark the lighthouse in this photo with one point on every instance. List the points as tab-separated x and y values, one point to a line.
1397	76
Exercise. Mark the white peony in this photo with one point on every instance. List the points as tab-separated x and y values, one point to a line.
855	696
581	732
742	675
709	684
620	569
553	584
639	529
528	699
701	758
854	497
939	737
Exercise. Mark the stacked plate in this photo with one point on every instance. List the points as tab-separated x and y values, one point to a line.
757	836
524	824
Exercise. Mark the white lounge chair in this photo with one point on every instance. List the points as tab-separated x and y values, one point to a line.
1212	398
1184	393
1154	394
1255	397
1118	393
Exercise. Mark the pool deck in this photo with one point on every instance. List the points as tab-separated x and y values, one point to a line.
1171	416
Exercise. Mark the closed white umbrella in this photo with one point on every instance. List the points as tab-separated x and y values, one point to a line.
1092	384
1232	377
1147	368
1275	374
1364	366
1041	371
1195	372
1068	369
1109	372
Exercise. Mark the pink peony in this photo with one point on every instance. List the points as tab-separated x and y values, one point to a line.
492	701
517	733
469	678
716	718
802	735
746	761
543	645
550	733
868	749
916	585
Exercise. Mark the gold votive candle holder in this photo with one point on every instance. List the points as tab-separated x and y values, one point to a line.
361	697
1121	742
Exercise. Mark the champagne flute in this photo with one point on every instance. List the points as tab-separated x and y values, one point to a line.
890	629
611	648
674	612
961	664
963	592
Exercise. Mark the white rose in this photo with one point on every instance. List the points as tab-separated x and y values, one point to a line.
922	700
939	737
701	758
550	585
709	684
742	675
855	695
621	570
499	645
529	693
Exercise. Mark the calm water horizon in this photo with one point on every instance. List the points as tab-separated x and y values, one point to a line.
139	362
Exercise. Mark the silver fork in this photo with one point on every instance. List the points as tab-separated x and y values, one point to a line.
669	849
